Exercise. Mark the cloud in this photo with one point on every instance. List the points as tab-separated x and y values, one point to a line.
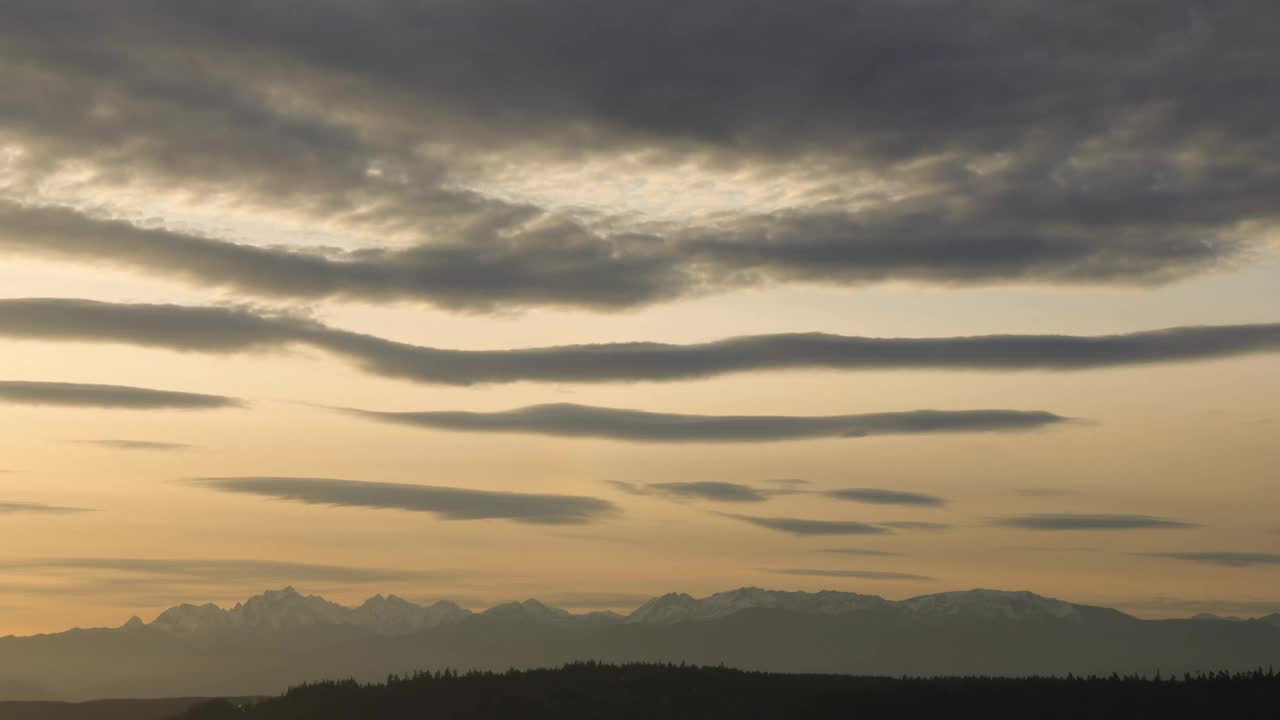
802	526
885	497
1166	606
596	600
915	525
11	508
561	265
140	445
1229	559
1044	492
108	396
568	420
717	491
863	552
445	502
1119	153
859	574
1088	522
242	329
215	570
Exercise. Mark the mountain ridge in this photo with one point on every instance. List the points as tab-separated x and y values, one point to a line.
288	609
281	638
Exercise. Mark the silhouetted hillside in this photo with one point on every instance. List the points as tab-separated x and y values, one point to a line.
99	710
283	638
645	692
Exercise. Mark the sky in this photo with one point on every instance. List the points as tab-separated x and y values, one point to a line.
591	302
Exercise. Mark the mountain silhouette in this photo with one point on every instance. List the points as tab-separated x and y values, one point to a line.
283	637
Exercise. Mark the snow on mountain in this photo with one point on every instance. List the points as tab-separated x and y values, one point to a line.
392	615
288	609
990	604
527	610
678	607
282	610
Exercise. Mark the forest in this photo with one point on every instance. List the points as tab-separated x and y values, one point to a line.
625	692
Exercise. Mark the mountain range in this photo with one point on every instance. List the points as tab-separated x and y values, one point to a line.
283	637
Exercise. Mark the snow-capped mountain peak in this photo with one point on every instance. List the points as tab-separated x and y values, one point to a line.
991	604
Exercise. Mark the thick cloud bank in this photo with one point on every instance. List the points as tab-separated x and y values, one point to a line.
934	141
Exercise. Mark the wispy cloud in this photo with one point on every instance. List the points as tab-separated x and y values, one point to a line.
861	552
446	502
13	508
140	445
1229	559
568	420
108	396
915	525
858	574
242	329
1044	492
803	526
207	570
880	496
1067	521
715	491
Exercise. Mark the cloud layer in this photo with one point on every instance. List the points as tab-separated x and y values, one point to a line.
145	445
445	502
239	329
706	490
880	496
858	574
108	396
1068	521
13	508
568	420
930	141
803	526
214	570
1229	559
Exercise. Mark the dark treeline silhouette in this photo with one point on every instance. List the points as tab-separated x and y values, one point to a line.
648	691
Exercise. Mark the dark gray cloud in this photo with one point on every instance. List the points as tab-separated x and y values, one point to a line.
568	420
238	329
108	396
1230	559
718	491
13	508
859	574
145	445
550	266
445	502
1068	521
216	570
861	552
885	497
1006	142
803	526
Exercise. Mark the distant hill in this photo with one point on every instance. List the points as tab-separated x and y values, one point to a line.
282	638
162	709
646	692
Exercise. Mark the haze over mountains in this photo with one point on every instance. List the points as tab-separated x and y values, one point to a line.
283	637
